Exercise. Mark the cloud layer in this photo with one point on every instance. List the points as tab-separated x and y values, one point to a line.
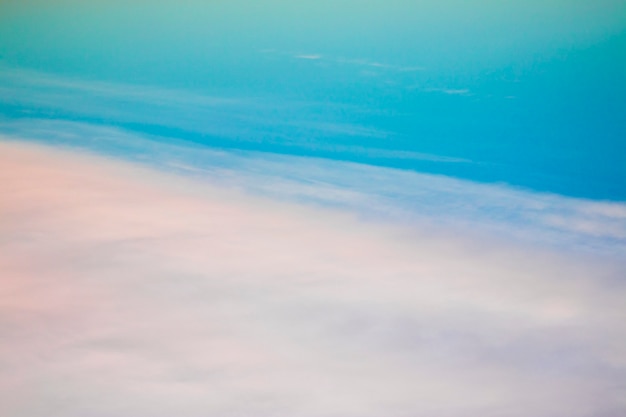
407	198
128	291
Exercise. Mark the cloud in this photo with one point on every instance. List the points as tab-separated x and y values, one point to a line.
233	120
308	56
450	91
348	61
396	195
393	154
127	290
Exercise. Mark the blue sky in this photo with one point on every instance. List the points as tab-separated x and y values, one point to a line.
532	93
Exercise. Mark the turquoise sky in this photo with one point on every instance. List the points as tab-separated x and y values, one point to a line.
528	93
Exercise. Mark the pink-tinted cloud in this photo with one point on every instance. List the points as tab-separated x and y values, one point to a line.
126	291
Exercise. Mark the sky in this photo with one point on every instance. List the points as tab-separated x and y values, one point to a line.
532	93
312	209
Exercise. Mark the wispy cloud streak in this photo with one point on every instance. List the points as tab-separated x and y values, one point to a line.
355	62
237	119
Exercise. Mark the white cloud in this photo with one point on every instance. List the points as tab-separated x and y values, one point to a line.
129	291
537	218
393	154
350	61
308	56
449	91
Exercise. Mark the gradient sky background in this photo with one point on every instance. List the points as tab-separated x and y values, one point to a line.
313	209
529	93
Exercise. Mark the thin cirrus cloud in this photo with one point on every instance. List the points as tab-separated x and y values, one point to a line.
232	118
375	65
348	61
138	291
308	56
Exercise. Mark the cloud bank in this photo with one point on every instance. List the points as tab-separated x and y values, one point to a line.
127	290
400	196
